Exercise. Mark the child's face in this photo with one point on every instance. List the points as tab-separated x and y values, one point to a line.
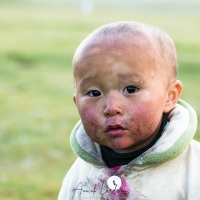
120	94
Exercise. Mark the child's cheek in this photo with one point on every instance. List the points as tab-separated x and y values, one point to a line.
88	114
144	118
90	119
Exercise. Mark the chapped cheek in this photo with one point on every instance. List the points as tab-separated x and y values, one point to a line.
87	114
91	121
141	122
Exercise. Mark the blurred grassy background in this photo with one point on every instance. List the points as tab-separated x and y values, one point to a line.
37	42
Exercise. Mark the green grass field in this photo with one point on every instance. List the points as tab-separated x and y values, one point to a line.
37	43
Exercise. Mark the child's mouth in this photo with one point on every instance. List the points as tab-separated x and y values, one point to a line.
115	130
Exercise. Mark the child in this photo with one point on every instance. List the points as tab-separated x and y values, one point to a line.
134	140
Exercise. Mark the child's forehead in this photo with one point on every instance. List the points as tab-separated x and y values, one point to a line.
123	42
117	45
115	57
139	39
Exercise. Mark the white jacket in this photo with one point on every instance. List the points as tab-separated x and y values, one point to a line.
169	170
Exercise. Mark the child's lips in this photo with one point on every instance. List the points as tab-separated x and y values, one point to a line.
115	130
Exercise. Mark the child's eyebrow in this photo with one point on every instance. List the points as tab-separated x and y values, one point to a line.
86	79
133	77
122	77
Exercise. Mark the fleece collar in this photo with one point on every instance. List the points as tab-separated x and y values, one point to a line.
174	140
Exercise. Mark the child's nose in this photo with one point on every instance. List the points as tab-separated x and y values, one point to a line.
113	106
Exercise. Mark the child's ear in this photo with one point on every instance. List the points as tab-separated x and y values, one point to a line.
173	96
74	99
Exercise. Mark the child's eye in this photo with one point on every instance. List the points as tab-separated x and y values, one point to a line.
94	93
130	89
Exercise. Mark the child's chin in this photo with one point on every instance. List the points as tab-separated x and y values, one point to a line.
121	146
